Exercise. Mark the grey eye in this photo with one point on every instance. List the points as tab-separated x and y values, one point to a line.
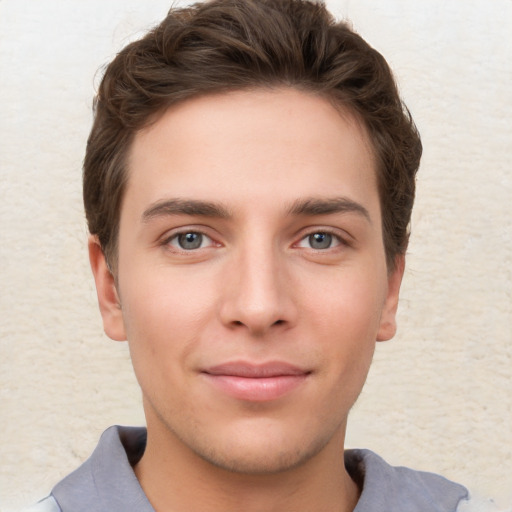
320	240
189	241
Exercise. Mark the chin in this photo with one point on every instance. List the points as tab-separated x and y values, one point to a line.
263	454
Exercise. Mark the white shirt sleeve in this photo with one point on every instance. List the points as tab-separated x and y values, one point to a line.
47	505
477	504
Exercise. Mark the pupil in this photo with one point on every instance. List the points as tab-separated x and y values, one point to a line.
190	240
320	240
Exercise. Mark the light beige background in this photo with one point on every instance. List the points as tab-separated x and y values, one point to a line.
439	397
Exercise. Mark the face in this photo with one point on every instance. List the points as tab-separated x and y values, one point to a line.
252	281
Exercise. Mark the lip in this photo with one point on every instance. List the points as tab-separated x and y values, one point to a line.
256	382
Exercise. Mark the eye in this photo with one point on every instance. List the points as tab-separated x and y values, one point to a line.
320	240
190	241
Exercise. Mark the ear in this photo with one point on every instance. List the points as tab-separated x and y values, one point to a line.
387	327
108	298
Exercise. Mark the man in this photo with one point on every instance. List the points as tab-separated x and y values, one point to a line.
248	186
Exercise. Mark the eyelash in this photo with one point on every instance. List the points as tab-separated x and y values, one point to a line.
334	237
176	236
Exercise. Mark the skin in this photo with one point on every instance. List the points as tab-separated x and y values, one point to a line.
260	287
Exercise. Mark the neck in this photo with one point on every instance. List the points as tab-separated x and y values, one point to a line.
174	478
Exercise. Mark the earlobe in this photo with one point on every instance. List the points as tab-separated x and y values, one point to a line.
387	327
108	298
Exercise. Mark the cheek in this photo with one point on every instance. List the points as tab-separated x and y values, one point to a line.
349	304
345	317
164	316
164	297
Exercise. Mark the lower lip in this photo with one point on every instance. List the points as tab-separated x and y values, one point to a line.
256	389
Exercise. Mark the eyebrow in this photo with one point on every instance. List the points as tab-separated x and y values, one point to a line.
308	206
185	207
317	206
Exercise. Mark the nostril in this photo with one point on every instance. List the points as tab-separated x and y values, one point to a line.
239	322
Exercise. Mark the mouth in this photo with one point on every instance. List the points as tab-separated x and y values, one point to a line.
256	382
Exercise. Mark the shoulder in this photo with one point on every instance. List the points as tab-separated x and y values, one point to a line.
479	504
46	505
403	489
105	481
399	488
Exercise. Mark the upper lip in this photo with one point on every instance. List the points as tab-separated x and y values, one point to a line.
256	371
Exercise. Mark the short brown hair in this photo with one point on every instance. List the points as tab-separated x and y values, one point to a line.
224	45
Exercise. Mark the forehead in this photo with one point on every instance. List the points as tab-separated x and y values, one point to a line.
241	146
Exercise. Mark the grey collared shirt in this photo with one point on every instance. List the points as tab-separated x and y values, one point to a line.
106	482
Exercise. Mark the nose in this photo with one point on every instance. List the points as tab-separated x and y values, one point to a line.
257	293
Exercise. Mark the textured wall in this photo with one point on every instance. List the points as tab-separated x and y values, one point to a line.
439	397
